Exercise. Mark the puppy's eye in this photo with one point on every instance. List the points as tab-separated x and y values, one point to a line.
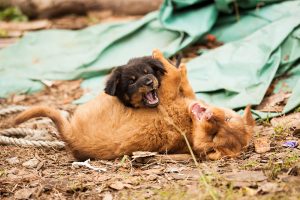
227	119
131	81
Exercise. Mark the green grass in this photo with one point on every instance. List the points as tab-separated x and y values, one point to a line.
12	14
274	167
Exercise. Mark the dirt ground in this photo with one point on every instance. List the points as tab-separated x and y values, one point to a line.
272	174
266	170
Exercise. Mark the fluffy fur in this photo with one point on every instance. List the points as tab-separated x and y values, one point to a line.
106	129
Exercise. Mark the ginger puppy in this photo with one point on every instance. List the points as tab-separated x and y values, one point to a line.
219	132
105	128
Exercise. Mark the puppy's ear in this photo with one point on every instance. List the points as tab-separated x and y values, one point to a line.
157	66
112	82
248	119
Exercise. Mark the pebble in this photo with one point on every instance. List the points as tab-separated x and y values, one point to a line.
32	163
13	160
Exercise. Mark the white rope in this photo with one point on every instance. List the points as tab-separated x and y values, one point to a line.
7	139
12	110
22	142
22	132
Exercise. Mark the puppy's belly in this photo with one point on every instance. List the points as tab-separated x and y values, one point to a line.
107	143
108	131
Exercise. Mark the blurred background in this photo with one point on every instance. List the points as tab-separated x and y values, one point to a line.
62	14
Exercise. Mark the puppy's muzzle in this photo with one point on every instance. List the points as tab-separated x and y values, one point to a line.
150	95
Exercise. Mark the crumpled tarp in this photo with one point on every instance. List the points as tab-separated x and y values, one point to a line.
262	44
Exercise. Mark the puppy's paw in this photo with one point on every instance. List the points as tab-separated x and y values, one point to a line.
214	155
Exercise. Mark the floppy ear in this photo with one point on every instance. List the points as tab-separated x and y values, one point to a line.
112	82
157	66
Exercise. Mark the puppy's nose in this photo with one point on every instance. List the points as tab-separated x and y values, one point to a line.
149	82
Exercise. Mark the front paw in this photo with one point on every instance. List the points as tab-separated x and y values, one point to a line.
216	155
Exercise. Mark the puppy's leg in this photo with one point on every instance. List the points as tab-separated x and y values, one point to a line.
202	143
171	80
215	155
185	87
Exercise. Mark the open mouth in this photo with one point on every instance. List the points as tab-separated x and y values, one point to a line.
200	112
151	98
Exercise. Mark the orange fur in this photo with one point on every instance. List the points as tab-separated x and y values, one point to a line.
104	128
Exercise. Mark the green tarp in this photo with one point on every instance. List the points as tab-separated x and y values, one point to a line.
263	43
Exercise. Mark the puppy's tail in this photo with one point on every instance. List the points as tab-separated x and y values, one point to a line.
63	125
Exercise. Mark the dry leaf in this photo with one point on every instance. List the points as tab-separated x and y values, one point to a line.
268	188
274	103
107	196
291	121
117	185
245	176
24	193
143	154
262	145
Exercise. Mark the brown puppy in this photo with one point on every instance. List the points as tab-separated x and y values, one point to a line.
136	83
105	129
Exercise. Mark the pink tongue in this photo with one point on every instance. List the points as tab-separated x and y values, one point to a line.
150	97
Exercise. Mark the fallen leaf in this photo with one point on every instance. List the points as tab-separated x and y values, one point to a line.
291	121
153	171
101	178
262	145
274	103
172	170
268	188
174	158
24	193
249	191
177	176
143	154
152	177
245	176
237	184
107	196
117	185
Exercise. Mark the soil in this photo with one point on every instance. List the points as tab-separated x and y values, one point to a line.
266	170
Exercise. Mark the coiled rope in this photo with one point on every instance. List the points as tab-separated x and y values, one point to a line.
12	136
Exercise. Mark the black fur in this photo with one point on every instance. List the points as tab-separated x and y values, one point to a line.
121	83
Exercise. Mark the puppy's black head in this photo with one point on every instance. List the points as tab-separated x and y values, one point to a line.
136	83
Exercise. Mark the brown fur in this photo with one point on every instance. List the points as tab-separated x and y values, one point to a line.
105	129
